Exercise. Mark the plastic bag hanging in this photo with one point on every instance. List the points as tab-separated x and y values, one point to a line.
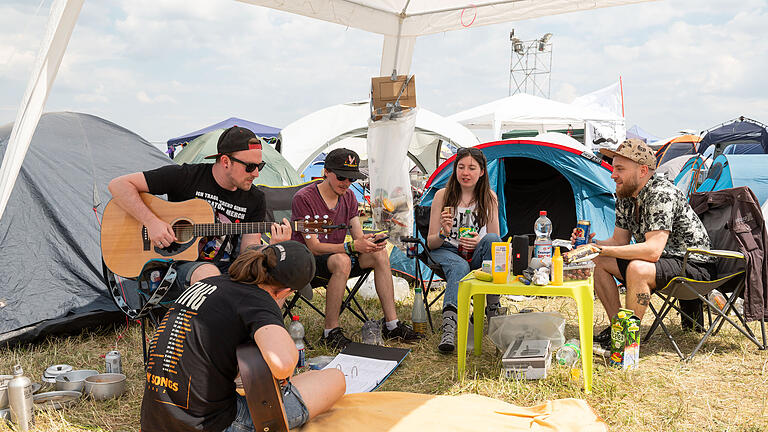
391	199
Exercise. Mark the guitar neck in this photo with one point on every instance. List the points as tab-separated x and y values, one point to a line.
223	229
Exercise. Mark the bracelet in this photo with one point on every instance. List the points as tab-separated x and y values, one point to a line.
351	244
441	235
346	248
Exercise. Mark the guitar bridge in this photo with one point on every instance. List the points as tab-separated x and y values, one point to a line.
145	239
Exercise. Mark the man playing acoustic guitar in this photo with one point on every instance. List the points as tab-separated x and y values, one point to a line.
192	363
225	185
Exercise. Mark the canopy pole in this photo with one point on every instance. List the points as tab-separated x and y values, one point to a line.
61	22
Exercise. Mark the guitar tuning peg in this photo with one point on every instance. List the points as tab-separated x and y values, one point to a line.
326	236
306	217
325	217
317	217
306	236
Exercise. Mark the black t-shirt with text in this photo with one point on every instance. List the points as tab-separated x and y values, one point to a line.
192	356
187	181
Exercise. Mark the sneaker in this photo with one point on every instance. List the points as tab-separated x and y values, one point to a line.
402	332
603	337
336	339
448	339
494	310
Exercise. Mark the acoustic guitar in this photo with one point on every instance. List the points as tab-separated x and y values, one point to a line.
262	391
126	247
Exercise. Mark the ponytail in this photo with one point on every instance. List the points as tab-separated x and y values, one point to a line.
252	267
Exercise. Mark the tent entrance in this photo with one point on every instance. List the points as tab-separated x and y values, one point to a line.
532	185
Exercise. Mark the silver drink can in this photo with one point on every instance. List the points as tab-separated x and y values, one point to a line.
113	362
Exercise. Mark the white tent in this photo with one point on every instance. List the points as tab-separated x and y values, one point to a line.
523	111
346	125
400	21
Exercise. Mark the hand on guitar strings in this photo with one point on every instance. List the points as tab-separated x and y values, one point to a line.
280	232
160	233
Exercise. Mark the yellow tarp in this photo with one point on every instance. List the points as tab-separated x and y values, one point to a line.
396	411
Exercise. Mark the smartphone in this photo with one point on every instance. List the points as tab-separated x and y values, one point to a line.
380	240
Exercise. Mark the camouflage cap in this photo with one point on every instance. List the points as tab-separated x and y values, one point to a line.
635	150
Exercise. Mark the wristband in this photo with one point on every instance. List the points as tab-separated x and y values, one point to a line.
441	235
346	248
351	246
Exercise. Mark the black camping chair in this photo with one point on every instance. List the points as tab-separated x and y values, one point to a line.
421	219
732	271
279	199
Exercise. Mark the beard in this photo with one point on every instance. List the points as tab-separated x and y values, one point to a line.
627	188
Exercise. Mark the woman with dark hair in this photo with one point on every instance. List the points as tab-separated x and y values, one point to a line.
472	204
192	359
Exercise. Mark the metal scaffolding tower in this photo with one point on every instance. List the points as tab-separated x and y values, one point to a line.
530	65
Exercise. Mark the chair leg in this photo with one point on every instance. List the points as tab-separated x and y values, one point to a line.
351	298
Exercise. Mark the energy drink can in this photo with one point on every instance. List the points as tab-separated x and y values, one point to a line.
113	362
154	280
582	233
410	250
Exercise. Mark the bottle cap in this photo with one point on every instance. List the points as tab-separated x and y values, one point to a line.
295	318
17	370
542	213
557	251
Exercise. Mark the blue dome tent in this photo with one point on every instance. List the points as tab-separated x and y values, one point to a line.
259	129
733	170
742	132
535	174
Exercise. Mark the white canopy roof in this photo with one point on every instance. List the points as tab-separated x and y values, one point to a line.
343	125
523	111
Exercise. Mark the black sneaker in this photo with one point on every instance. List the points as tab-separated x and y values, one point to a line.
603	337
402	332
336	339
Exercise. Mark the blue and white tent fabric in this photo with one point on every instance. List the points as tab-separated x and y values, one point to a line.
542	173
750	135
259	129
733	170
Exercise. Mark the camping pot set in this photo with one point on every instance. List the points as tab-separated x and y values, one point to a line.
50	374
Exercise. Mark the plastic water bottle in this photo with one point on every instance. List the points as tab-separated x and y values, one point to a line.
568	354
296	330
20	399
418	313
542	247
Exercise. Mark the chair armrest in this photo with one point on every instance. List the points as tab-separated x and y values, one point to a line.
419	241
715	252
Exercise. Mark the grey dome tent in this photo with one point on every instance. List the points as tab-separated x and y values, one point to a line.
51	277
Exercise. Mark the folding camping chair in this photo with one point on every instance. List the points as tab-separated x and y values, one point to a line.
421	219
732	271
279	199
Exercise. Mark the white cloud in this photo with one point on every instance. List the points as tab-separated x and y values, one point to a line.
143	97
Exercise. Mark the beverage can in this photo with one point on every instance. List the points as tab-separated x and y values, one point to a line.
582	232
154	280
113	362
449	210
410	250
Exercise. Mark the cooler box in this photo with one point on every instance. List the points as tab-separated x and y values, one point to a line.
527	359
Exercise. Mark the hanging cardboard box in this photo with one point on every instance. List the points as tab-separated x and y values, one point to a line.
386	91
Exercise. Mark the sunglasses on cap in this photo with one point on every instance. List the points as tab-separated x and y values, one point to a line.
468	150
249	167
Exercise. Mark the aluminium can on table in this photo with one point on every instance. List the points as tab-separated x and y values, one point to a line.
582	232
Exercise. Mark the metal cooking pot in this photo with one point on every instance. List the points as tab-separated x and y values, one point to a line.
74	380
4	390
105	386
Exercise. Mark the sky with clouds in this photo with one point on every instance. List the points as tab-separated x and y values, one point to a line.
166	67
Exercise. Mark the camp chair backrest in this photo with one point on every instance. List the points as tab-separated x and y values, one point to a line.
279	199
421	217
717	221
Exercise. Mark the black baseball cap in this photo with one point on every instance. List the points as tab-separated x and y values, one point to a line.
236	139
344	162
295	266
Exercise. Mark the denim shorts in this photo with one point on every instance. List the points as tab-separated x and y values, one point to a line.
295	411
184	270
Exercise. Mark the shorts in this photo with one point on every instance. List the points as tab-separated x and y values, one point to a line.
324	275
184	270
295	411
670	268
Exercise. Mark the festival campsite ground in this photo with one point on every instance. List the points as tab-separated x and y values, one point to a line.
724	388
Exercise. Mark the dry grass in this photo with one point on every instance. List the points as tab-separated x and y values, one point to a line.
724	388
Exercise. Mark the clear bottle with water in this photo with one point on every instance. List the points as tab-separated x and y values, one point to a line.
542	247
296	330
419	313
568	354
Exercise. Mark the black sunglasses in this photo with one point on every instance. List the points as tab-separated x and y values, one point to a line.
249	167
340	178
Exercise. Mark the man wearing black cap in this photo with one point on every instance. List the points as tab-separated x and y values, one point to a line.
653	212
225	185
192	367
336	259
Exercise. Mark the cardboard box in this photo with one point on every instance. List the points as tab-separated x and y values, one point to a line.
527	359
384	91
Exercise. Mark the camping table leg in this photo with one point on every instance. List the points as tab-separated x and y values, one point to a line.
478	302
463	324
584	303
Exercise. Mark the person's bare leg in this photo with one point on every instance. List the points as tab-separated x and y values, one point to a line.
202	272
339	265
382	277
320	389
641	279
605	286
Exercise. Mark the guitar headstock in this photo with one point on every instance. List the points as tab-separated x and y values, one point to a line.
317	225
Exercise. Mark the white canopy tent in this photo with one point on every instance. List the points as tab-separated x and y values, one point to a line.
399	21
523	111
346	125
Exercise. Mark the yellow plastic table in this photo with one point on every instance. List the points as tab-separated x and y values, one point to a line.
581	291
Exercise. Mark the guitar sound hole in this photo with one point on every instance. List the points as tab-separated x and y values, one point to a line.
183	230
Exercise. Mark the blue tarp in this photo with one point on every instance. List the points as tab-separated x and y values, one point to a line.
589	197
261	130
728	171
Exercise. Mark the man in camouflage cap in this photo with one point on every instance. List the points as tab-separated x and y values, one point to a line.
653	212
